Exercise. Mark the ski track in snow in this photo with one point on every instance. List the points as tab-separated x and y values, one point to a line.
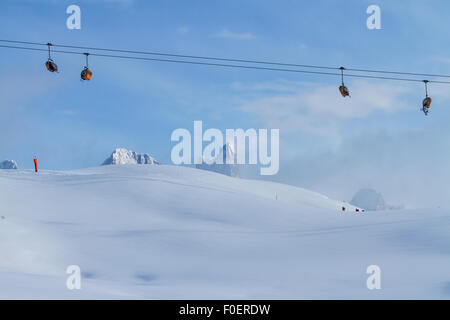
167	232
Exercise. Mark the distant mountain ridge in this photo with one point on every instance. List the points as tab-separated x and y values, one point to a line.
124	156
370	199
9	164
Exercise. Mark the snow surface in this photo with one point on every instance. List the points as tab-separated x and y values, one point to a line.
171	232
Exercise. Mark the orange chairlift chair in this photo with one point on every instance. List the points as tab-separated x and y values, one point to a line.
86	73
426	103
50	64
343	89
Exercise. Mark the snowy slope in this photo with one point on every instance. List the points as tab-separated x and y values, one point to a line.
176	232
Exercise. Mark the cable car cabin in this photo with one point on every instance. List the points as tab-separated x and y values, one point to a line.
344	91
86	74
51	66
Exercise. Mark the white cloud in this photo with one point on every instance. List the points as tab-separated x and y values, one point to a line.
68	112
279	86
302	47
182	30
317	109
225	33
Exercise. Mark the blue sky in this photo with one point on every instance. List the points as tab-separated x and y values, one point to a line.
377	139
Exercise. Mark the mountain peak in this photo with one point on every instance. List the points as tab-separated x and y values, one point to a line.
227	152
369	199
124	156
9	164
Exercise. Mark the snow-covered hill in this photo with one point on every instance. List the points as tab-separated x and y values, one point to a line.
177	232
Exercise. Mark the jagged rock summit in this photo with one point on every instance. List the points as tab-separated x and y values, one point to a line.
8	164
227	152
124	156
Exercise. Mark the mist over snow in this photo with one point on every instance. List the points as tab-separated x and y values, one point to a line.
370	199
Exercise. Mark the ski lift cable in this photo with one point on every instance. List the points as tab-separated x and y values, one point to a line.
177	55
230	59
227	65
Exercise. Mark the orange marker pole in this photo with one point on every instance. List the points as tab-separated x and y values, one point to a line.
35	165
